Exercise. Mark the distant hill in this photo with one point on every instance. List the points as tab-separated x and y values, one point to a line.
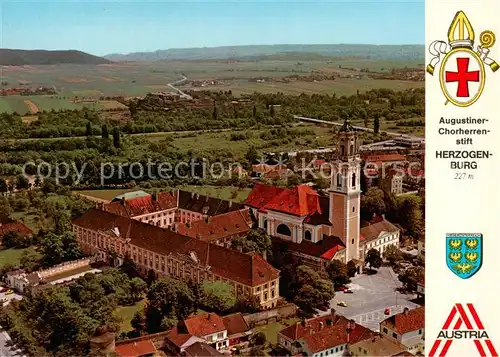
10	57
385	52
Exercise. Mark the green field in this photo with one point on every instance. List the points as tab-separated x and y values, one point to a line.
226	193
11	256
139	78
126	313
107	195
271	330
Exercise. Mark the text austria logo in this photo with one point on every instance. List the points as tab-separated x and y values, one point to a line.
452	330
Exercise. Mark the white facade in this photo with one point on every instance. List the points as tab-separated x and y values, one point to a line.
219	339
162	219
383	241
413	340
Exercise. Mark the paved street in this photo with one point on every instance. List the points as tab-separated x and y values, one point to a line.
372	295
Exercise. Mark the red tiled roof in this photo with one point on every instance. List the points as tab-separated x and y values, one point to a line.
248	269
385	158
178	338
261	195
203	325
412	320
300	201
142	205
18	227
326	332
218	227
235	323
135	349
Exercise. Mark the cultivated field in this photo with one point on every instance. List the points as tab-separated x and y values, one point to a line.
137	79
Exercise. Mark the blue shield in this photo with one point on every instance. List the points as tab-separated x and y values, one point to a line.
464	253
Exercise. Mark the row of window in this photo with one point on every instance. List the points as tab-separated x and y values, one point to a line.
330	351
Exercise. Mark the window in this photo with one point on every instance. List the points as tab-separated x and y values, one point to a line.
307	235
353	183
352	241
394	335
419	332
353	209
339	180
220	335
284	230
385	330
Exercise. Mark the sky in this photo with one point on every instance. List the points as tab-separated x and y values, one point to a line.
104	27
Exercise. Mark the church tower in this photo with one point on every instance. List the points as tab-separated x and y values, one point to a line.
345	191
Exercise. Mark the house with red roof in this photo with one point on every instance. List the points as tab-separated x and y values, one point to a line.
329	335
407	328
165	209
112	238
220	229
216	331
9	225
317	227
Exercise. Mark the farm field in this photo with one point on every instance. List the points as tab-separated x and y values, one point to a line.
106	195
132	79
225	193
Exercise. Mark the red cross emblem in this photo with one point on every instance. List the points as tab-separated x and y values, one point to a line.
463	77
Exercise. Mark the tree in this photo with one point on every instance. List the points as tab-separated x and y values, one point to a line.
247	304
254	112
258	339
105	132
271	111
59	248
31	259
217	295
392	254
3	186
116	137
11	239
410	277
337	271
376	125
214	112
138	288
22	182
138	322
256	241
409	214
372	203
313	289
373	258
351	268
252	155
88	129
168	297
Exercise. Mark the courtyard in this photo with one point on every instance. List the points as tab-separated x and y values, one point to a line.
372	294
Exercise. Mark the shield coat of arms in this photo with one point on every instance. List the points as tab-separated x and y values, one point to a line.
462	74
464	253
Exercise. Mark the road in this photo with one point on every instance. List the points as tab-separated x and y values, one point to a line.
181	93
319	121
5	349
372	295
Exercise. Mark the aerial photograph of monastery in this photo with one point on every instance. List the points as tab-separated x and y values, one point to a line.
212	179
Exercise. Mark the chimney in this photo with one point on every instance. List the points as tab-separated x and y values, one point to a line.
208	317
333	314
192	194
348	331
197	196
230	203
321	325
328	322
405	311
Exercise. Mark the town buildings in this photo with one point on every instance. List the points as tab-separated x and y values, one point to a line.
379	234
377	346
218	332
406	328
113	238
328	335
319	228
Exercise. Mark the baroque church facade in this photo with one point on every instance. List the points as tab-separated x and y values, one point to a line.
316	227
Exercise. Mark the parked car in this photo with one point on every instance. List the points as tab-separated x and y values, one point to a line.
323	308
387	311
342	303
342	288
348	291
8	292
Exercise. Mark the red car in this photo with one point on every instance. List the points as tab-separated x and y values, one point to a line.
387	311
342	288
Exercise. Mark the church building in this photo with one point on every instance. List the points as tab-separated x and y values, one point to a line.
318	228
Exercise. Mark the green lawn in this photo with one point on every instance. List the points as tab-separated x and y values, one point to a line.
30	219
271	330
223	192
127	313
11	256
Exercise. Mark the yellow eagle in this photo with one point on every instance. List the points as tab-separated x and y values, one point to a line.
455	243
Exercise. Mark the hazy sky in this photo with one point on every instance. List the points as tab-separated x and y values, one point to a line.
103	27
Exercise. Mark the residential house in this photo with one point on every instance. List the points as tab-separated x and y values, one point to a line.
377	346
379	234
134	348
19	280
407	328
9	225
113	238
393	182
218	332
200	349
329	335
